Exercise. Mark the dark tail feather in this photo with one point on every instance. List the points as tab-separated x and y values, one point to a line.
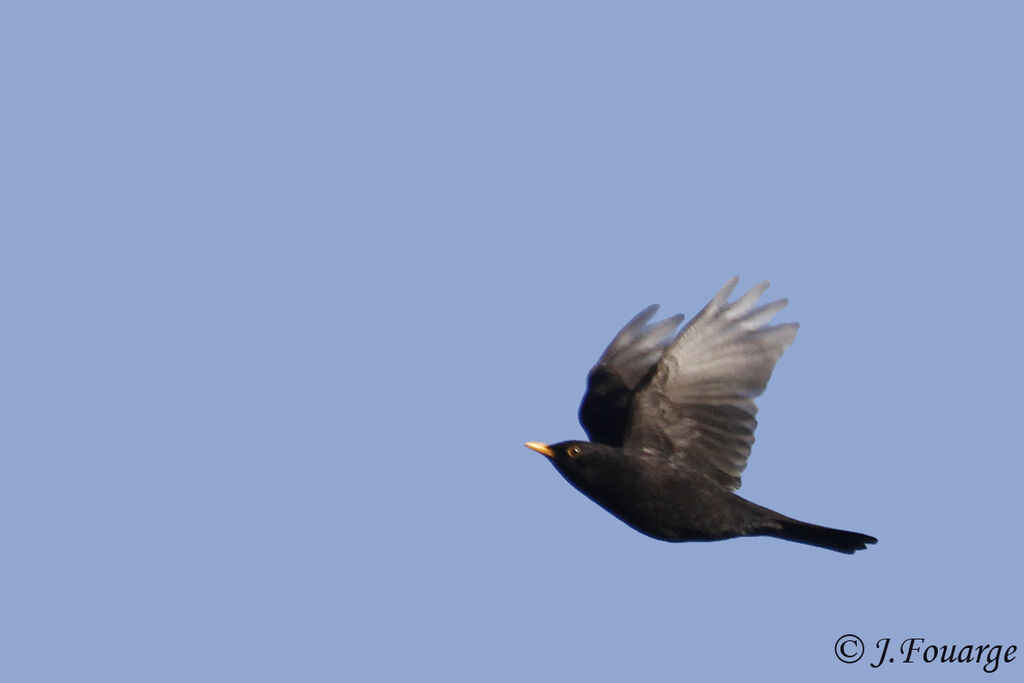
821	536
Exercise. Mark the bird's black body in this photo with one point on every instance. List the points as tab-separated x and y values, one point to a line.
671	418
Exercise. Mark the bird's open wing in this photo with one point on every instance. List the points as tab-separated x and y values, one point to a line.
698	403
623	368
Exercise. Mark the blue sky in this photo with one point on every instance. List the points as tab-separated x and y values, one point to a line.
285	287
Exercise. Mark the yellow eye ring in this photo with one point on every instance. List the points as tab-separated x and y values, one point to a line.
573	451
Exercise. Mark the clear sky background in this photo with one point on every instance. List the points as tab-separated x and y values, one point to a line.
285	287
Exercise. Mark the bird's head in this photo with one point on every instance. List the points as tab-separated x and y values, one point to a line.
585	464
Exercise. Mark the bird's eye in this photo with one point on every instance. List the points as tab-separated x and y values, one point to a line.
573	451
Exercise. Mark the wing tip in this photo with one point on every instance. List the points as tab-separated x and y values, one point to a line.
755	292
726	290
643	317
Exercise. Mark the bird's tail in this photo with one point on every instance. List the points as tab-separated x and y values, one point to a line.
820	536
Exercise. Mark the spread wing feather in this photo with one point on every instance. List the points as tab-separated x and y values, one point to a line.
697	403
622	369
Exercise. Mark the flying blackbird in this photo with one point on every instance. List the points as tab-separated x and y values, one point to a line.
671	422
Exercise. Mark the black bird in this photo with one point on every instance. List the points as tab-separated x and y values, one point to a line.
671	422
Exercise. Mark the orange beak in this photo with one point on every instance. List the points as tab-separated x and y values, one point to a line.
541	448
